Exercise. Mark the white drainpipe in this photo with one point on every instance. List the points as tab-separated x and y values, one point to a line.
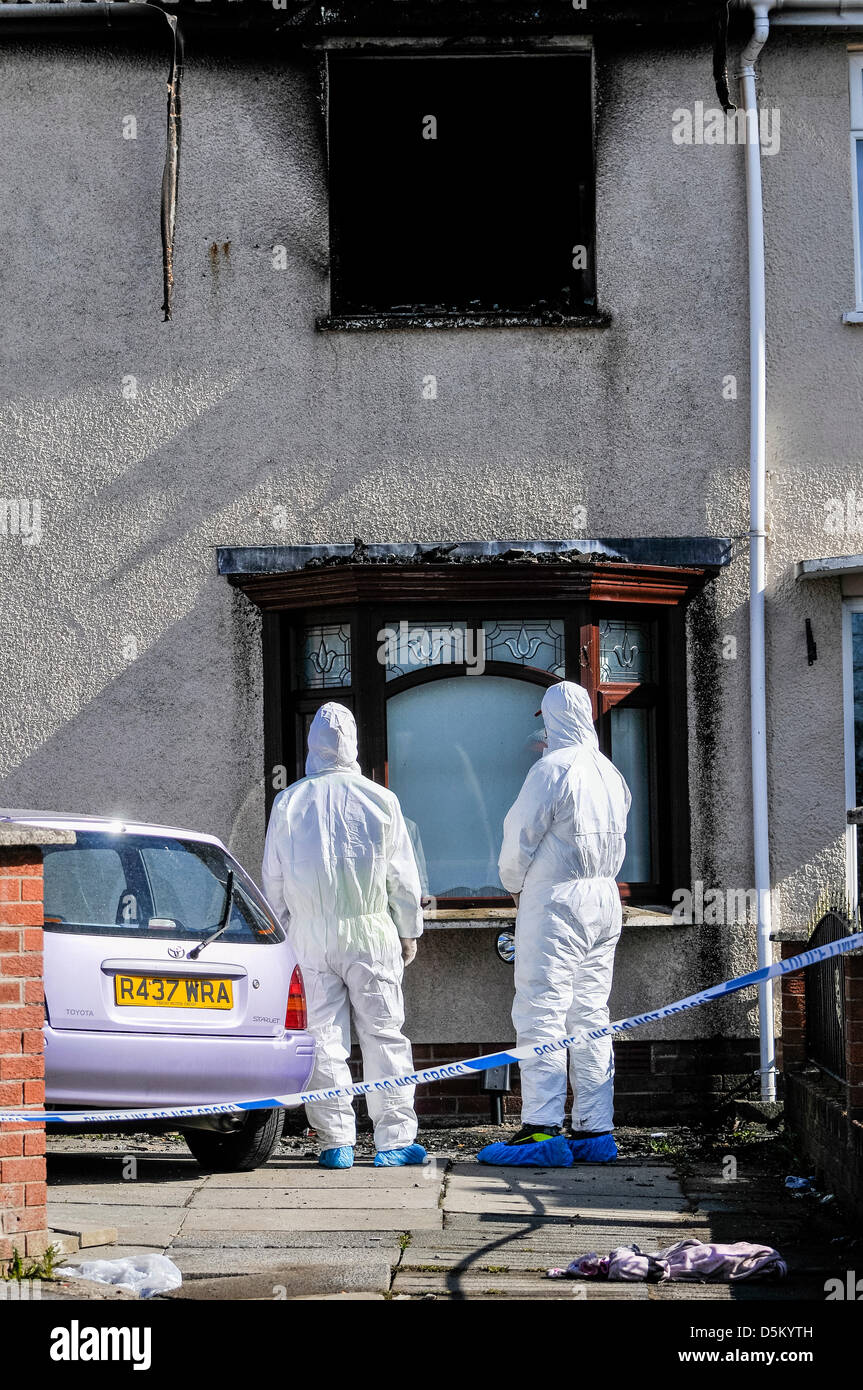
757	539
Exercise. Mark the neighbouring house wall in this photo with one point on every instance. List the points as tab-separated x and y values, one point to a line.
134	673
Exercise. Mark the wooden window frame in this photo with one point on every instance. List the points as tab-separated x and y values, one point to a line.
370	597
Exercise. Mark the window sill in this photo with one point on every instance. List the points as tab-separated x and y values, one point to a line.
372	323
477	918
853	316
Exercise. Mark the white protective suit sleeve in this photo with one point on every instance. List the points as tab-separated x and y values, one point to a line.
403	881
272	876
526	823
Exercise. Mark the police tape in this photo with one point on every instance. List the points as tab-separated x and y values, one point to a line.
527	1051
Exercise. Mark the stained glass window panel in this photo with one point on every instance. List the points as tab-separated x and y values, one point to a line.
405	647
535	642
624	651
326	656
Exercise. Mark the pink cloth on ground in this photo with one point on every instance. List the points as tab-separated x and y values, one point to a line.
688	1259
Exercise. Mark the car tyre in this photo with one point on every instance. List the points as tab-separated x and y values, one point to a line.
238	1150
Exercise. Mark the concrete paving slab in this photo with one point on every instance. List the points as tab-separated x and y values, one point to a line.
306	1174
563	1206
53	1292
63	1217
216	1261
113	1252
63	1243
530	1251
86	1234
606	1192
279	1283
563	1191
153	1236
507	1285
664	1227
406	1199
122	1194
383	1241
358	1297
484	1259
605	1177
557	1204
312	1219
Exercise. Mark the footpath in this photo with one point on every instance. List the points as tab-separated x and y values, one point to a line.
452	1230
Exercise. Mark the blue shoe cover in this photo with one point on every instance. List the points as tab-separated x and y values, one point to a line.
546	1153
337	1158
400	1158
603	1149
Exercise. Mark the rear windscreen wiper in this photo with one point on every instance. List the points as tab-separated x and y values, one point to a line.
223	922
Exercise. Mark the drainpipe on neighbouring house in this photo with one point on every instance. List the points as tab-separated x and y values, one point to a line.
757	539
815	12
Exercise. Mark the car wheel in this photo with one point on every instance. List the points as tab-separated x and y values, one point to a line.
239	1150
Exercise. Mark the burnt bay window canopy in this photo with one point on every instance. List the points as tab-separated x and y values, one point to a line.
443	653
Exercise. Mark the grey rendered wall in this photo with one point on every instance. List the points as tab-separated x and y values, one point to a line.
251	428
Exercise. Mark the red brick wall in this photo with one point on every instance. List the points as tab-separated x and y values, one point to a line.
854	1035
791	1049
22	1064
655	1082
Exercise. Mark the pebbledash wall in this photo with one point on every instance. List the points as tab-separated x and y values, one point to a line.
132	673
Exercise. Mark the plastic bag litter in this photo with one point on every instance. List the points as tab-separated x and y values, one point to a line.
144	1275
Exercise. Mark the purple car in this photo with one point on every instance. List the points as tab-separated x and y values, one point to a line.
168	982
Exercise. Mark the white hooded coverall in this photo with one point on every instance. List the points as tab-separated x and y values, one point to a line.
563	846
340	871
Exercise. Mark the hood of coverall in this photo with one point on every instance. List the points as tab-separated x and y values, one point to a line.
332	741
568	717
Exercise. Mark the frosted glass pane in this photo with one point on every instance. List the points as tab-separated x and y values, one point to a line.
459	750
629	753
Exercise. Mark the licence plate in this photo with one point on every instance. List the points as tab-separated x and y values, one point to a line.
172	992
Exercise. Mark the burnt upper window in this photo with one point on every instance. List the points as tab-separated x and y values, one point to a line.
461	185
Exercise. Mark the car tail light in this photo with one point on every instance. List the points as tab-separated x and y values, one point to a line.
296	1012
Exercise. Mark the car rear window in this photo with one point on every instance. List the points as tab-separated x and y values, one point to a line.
151	886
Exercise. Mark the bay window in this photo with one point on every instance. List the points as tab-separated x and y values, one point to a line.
446	697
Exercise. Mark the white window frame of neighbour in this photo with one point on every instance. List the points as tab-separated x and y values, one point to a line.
856	92
849	606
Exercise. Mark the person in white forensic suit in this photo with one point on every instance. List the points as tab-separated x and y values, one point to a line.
563	847
340	871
